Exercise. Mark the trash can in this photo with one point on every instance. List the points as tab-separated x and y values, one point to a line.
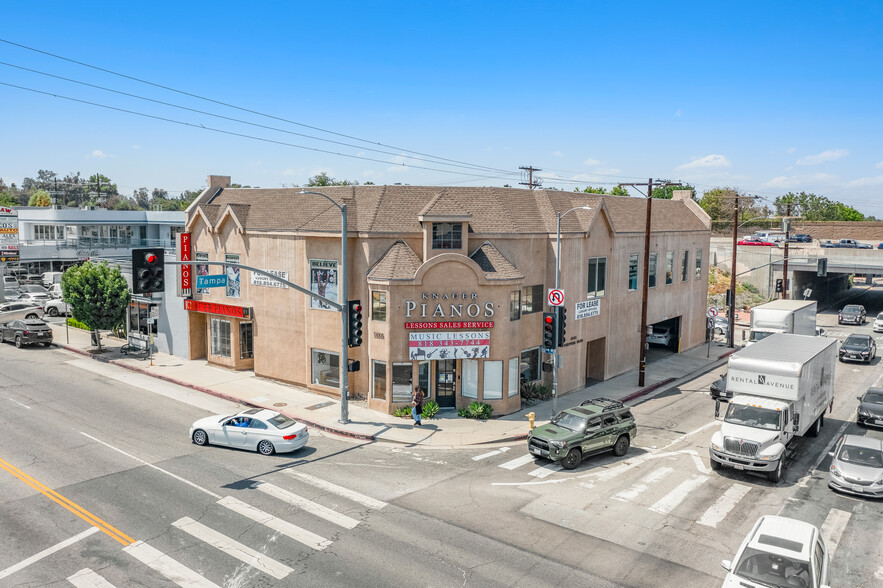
95	336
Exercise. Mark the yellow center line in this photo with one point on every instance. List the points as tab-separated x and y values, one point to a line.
68	504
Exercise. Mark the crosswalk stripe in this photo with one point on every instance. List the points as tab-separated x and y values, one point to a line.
47	552
670	501
490	454
168	567
543	471
636	489
307	505
833	527
86	578
291	530
339	490
722	507
234	548
517	462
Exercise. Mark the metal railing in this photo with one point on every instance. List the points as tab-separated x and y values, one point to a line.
97	243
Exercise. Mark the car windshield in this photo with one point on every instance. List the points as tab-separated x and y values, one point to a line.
856	340
571	422
863	456
880	317
759	336
772	570
873	397
280	421
851	309
753	416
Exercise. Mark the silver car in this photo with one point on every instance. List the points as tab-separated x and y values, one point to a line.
255	429
857	466
19	309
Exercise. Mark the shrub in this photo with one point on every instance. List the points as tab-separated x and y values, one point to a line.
534	391
71	321
751	288
430	409
476	410
402	411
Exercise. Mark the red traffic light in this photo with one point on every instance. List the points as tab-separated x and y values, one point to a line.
150	258
357	307
549	320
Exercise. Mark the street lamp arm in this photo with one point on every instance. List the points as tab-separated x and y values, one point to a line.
325	196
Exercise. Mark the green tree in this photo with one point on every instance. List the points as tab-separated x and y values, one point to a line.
591	190
97	294
323	179
619	191
666	192
7	199
40	198
814	207
102	185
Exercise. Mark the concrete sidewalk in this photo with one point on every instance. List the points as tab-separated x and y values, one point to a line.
323	413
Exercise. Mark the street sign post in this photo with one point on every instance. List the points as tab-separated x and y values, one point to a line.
711	312
556	297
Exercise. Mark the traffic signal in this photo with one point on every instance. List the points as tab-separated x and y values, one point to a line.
729	298
550	330
354	365
562	323
354	323
822	267
778	284
147	270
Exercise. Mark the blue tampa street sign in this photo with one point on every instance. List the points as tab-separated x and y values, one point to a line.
211	281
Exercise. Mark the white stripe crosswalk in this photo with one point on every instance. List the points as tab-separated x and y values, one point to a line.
291	530
517	462
716	513
638	488
166	566
307	505
87	578
833	527
670	501
339	490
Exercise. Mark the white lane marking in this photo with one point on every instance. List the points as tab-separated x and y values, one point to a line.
157	468
20	404
878	575
339	490
297	533
699	463
543	471
722	507
637	488
168	567
46	552
517	462
86	578
559	480
833	527
255	559
490	454
670	501
687	435
307	505
824	453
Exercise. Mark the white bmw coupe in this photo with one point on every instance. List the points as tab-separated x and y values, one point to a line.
255	429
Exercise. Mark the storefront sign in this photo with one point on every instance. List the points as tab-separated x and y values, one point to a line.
467	307
587	308
214	308
323	281
449	325
446	345
8	234
261	280
185	275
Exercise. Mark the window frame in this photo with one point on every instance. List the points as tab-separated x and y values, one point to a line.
246	342
685	266
539	360
217	337
634	266
314	377
514	380
515	305
451	239
529	293
669	267
406	395
378	300
488	368
597	277
469	388
374	379
651	270
698	263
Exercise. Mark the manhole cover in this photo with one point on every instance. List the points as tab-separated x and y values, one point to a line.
280	404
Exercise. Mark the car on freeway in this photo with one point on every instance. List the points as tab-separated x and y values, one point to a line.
56	306
255	429
858	348
878	323
857	466
719	389
595	426
779	552
800	238
756	241
870	408
26	332
19	309
660	336
852	313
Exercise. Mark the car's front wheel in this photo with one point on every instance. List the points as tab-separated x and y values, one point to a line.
266	448
572	459
622	445
53	311
776	475
18	341
200	437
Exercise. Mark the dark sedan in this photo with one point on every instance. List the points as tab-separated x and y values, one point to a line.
26	332
858	348
719	389
870	407
800	238
852	313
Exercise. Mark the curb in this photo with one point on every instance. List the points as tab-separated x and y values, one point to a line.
646	390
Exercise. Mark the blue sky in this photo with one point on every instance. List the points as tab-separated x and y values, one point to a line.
766	97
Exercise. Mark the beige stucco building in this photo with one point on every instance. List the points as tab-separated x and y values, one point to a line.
453	281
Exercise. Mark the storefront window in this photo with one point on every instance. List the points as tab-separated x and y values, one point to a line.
685	264
651	271
597	277
220	338
698	264
469	381
530	365
246	340
669	267
633	271
233	290
202	270
493	380
532	299
379	384
447	235
513	377
423	374
325	368
378	306
514	305
139	312
402	378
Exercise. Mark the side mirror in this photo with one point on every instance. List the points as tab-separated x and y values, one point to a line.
859	398
726	564
796	420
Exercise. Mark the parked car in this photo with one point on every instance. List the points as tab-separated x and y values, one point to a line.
26	332
779	552
878	323
55	291
800	238
10	283
756	241
33	288
857	466
858	348
852	313
255	429
34	297
594	426
719	389
660	336
10	294
49	278
870	408
33	279
721	325
56	306
19	309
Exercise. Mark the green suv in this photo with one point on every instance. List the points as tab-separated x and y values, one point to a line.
594	426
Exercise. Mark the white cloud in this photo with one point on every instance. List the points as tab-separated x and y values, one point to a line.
557	153
782	182
875	181
799	181
590	162
709	161
790	149
136	146
823	157
98	154
879	165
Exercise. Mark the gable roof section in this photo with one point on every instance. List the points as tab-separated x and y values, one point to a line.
398	263
494	265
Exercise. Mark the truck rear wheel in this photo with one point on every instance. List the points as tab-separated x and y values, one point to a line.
776	475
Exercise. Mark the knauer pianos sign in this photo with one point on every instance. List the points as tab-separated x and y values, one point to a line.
214	308
448	305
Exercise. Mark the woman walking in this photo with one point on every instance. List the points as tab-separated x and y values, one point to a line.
417	405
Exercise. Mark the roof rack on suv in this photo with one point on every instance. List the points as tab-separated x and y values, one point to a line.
606	404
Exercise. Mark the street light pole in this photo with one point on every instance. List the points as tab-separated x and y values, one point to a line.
343	288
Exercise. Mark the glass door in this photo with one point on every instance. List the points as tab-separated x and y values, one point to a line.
446	382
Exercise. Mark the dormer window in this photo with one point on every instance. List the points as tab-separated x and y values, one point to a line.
447	235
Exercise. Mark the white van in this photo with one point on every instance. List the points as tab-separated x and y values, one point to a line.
770	237
50	278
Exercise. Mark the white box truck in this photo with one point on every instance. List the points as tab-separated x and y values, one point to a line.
781	388
797	317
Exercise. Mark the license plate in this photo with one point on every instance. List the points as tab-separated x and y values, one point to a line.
738	466
857	489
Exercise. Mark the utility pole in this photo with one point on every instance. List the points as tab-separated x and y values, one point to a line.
530	183
642	365
731	323
787	222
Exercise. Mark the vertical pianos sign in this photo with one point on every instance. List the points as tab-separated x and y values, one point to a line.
185	274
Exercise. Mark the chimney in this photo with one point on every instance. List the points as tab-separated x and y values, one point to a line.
218	182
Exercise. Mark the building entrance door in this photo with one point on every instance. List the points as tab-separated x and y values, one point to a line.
446	382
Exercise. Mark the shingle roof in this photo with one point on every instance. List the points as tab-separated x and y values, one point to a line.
494	265
398	263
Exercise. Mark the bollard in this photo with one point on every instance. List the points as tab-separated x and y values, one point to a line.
531	417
